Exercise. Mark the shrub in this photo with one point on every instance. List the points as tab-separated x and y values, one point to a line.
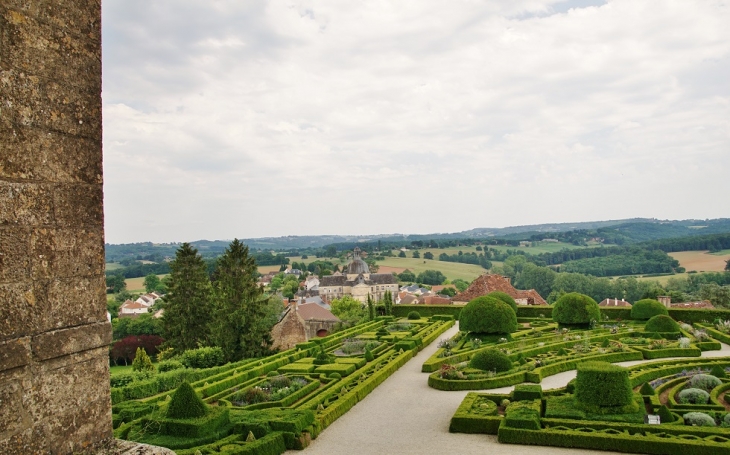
335	375
718	372
646	308
185	404
706	382
527	392
206	357
142	361
665	415
693	396
684	342
603	385
575	308
413	315
506	298
491	360
169	365
699	419
661	324
488	315
369	357
647	389
726	421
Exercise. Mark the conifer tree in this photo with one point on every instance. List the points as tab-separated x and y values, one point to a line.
388	303
187	308
371	308
240	326
142	361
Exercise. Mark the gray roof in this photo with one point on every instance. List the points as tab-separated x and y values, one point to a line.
375	278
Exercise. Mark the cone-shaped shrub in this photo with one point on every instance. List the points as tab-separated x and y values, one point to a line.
185	404
646	308
575	308
491	360
665	415
488	315
506	298
603	384
661	323
369	357
647	389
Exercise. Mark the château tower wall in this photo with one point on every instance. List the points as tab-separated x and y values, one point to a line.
54	388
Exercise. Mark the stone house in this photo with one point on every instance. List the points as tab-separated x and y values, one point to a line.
358	282
301	323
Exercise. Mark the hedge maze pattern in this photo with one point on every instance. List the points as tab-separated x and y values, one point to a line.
688	395
269	405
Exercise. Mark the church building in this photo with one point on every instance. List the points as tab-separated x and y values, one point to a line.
357	281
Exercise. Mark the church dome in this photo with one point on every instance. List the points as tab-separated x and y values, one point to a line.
357	266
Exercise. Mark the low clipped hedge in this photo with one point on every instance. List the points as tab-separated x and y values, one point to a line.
523	414
343	369
527	392
476	414
651	354
270	444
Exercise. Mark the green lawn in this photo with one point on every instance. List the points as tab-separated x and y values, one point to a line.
120	369
721	253
113	266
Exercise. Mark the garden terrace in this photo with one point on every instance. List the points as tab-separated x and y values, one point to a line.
275	403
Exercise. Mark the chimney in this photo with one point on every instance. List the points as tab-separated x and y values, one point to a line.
665	300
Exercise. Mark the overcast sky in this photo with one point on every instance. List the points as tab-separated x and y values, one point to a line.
243	119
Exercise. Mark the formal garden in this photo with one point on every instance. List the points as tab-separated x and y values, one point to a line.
655	406
266	405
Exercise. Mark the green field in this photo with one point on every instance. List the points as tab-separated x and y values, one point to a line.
542	247
721	253
452	270
113	266
137	284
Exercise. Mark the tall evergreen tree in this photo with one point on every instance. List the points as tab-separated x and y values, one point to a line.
388	303
240	326
187	307
371	308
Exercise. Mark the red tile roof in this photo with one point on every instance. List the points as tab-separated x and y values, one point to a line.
487	283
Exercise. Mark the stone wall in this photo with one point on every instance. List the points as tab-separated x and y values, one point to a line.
288	332
54	388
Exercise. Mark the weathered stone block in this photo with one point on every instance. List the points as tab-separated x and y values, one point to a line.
78	206
73	302
63	253
20	315
81	17
13	354
14	257
33	154
68	341
28	204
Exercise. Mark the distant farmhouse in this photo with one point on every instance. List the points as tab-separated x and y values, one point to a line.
490	282
358	282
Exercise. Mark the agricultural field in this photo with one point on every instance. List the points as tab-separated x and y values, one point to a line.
268	405
137	284
702	261
109	266
452	270
543	247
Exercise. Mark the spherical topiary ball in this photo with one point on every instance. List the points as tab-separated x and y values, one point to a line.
488	315
413	315
506	298
646	308
661	323
491	360
575	308
693	396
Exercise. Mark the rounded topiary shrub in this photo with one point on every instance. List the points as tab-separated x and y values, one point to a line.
575	308
488	315
506	298
185	404
699	419
661	323
693	396
603	385
491	360
646	308
706	382
413	315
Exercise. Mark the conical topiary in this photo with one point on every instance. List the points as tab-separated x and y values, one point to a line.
185	404
647	389
665	415
605	344
369	357
562	351
250	437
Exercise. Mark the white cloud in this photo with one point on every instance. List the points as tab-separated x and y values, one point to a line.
251	119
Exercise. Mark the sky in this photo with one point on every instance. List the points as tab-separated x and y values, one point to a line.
250	119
